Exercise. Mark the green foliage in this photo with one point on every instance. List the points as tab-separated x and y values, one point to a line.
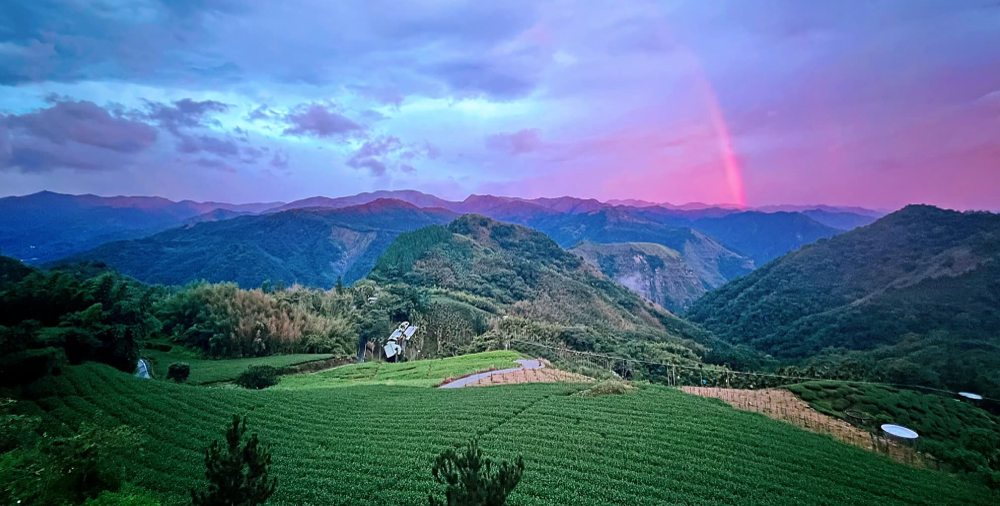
179	372
964	437
54	470
473	480
917	291
419	373
376	443
258	377
128	496
521	273
49	316
205	370
238	473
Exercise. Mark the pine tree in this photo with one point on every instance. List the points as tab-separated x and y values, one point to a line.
470	479
340	285
238	475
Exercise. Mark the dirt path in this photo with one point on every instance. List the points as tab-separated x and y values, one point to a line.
784	406
531	371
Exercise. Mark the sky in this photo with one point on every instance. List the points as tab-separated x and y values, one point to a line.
875	103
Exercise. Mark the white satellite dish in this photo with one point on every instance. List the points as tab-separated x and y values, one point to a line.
970	395
899	432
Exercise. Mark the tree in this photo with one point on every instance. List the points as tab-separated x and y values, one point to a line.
179	371
239	473
340	285
258	377
472	480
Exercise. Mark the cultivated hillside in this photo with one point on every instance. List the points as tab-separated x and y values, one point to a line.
654	271
919	287
655	446
523	271
47	226
307	246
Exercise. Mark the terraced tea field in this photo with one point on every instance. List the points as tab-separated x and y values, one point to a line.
419	373
371	445
205	370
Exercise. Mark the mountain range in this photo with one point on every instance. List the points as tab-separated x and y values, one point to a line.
918	292
158	240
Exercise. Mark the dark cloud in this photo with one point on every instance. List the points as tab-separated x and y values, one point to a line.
185	113
476	78
85	123
261	113
79	135
209	144
516	143
279	160
318	120
373	152
214	163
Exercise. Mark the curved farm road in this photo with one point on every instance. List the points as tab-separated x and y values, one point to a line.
531	371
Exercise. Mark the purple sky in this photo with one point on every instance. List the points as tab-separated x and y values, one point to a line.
876	103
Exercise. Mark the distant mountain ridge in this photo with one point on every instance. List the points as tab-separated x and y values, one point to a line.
312	246
46	226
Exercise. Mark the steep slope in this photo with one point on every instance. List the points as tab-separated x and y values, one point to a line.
764	236
712	262
524	271
919	278
656	272
308	246
47	226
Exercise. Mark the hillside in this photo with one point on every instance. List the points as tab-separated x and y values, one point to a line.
919	289
525	272
654	446
46	226
307	246
656	272
712	262
764	236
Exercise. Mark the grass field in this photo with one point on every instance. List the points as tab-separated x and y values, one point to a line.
374	445
205	370
419	373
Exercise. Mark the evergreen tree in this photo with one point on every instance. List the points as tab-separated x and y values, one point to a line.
340	285
239	474
472	480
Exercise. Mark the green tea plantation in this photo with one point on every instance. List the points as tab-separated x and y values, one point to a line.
375	444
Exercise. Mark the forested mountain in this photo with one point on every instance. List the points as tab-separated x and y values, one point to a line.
654	271
919	289
711	262
47	226
764	236
307	246
527	274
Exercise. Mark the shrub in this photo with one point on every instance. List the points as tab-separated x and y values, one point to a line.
179	371
258	377
472	480
127	496
238	473
609	387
